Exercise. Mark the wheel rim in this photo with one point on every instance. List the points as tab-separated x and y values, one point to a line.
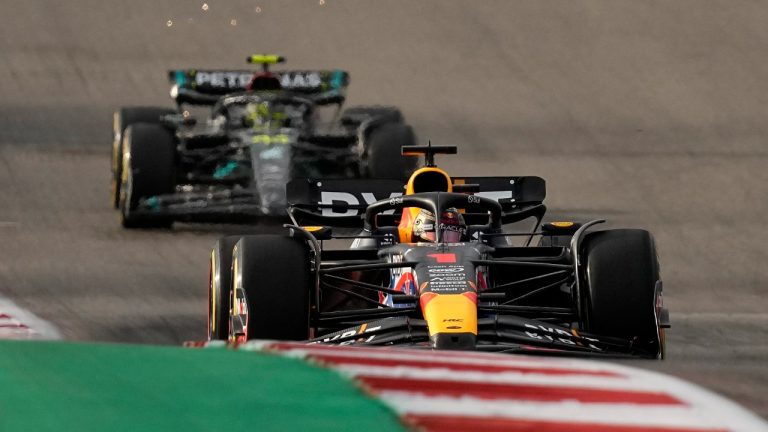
116	137
238	327
658	301
126	184
117	133
238	306
212	328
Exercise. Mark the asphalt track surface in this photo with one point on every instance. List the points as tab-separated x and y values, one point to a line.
650	114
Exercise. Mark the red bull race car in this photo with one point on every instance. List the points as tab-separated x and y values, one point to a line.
433	266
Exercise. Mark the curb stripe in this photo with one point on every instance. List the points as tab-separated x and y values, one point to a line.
473	391
494	424
485	390
13	325
20	324
576	381
572	412
334	360
452	357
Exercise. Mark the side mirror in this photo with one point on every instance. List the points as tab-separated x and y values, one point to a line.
560	228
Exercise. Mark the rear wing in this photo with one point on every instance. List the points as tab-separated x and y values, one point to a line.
342	202
206	86
337	202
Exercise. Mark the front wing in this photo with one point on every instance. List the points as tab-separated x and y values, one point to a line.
230	205
499	333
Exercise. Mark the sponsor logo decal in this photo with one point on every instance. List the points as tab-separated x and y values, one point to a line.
444	257
395	200
223	79
362	330
301	80
557	334
328	198
447	279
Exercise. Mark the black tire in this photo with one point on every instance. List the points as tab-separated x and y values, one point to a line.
149	154
273	274
121	119
619	290
354	116
383	151
220	288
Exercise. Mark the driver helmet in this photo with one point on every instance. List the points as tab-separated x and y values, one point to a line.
264	116
264	82
451	225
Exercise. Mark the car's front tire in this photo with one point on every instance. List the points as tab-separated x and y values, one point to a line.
271	275
220	287
149	161
620	287
121	119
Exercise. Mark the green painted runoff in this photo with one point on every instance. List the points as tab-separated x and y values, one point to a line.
55	386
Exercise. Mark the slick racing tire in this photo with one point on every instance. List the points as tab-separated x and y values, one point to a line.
220	288
149	158
272	274
383	150
620	299
121	119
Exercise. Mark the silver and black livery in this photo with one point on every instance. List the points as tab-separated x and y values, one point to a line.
263	129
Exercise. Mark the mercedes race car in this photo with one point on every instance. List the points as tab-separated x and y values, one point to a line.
434	267
264	128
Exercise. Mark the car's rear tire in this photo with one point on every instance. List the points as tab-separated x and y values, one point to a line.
383	150
121	119
354	116
220	287
619	293
272	273
149	160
